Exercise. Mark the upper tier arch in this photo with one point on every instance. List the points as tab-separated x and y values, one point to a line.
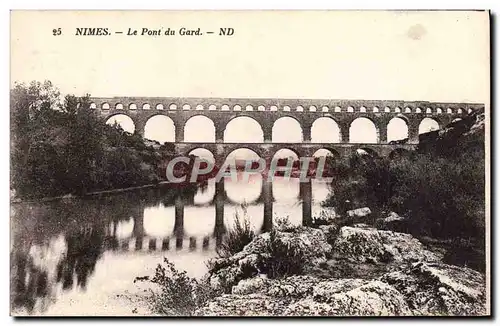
267	111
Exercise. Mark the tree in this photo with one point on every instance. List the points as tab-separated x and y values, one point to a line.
31	109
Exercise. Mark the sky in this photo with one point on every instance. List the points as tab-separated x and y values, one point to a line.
433	56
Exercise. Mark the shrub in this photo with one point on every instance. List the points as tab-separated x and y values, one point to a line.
238	237
283	224
179	294
443	197
285	256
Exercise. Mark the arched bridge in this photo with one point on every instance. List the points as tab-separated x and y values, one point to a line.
266	112
268	150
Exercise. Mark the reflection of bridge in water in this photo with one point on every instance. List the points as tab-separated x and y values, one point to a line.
178	239
149	244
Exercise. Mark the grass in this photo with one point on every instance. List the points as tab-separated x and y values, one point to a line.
238	237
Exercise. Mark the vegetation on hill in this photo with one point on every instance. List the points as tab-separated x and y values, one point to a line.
62	147
439	189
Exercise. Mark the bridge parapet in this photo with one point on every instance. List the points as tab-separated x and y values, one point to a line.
276	105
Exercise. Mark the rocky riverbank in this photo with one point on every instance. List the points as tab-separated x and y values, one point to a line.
353	270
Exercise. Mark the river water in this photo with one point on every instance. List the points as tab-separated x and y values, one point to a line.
81	256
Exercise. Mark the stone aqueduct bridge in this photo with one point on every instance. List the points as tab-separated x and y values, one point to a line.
267	111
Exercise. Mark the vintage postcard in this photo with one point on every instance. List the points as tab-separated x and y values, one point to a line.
249	163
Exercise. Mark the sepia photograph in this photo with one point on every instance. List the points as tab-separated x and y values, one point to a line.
275	163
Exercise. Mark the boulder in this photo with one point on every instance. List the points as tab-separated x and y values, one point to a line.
226	278
366	244
418	289
325	289
224	273
380	273
309	307
296	286
440	289
392	222
243	305
343	268
261	297
374	298
251	285
359	212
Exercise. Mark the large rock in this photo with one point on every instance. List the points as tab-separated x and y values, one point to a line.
251	285
270	297
440	289
392	222
297	286
309	307
359	212
392	217
227	277
420	289
366	244
243	305
224	273
374	298
407	279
